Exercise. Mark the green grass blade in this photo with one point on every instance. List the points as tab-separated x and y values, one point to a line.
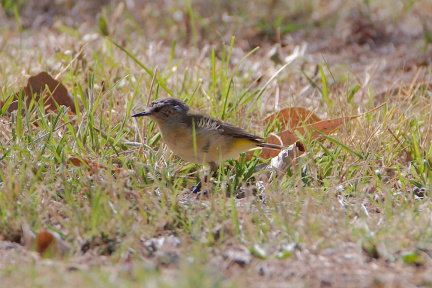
334	141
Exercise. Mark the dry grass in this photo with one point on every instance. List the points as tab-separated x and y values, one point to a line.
340	220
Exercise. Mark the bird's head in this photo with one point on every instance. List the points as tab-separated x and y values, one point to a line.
165	109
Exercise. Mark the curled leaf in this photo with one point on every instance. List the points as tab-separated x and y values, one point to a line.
293	117
286	157
289	137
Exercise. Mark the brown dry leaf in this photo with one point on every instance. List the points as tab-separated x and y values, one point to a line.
289	137
59	93
50	244
91	166
293	117
56	92
121	170
12	107
43	241
47	243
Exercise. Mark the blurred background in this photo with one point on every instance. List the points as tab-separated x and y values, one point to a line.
357	21
357	40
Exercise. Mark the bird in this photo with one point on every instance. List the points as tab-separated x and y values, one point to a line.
199	138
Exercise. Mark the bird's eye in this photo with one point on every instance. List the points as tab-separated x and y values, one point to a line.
157	109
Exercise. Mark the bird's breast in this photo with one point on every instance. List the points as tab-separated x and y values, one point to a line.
179	138
202	145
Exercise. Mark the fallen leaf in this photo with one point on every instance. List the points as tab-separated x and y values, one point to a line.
43	241
288	137
50	244
47	243
79	162
286	158
117	170
279	165
293	117
52	91
91	166
57	91
12	106
94	167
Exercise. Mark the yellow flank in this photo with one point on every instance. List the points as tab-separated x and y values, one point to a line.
242	145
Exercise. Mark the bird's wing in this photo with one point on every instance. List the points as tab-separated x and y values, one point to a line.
238	132
210	123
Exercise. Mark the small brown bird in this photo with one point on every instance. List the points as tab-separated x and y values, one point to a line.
199	138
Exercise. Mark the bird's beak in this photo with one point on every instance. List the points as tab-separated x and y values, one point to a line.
144	113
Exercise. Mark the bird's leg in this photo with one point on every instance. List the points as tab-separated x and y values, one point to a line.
213	168
198	186
214	171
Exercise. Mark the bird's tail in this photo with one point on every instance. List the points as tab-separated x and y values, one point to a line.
271	146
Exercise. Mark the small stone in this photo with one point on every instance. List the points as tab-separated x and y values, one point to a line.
419	193
241	258
173	241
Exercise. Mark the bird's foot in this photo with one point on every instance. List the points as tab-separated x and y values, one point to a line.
197	188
